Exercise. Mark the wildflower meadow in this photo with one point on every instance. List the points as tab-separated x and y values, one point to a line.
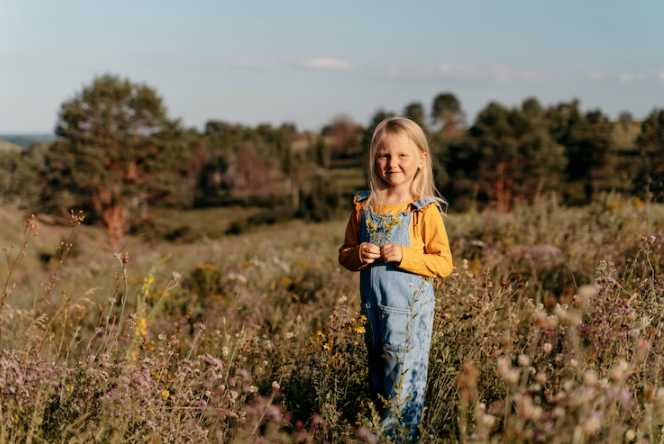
548	330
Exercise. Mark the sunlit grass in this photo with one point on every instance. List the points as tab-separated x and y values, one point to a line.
260	339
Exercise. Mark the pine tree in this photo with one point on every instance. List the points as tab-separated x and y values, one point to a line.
117	151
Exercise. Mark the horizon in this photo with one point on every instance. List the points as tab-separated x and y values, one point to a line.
260	62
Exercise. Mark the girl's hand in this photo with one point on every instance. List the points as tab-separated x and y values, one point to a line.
392	253
369	252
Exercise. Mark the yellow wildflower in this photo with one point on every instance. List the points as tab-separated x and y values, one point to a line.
638	204
359	329
337	362
208	267
141	328
165	394
285	281
146	285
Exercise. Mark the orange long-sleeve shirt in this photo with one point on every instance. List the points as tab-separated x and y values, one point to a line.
429	251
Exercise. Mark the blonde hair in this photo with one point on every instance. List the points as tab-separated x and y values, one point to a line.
423	183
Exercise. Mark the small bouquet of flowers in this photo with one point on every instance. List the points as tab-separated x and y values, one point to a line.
381	233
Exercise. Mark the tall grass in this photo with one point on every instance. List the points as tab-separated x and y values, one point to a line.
548	330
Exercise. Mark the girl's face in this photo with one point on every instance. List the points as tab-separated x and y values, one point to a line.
397	160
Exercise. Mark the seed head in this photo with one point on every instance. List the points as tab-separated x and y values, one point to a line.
630	435
524	360
175	276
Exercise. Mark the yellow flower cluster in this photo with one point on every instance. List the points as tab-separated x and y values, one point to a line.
285	281
320	342
358	324
381	233
141	329
209	267
638	204
338	362
146	285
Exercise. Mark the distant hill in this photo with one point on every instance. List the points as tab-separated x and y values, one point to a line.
25	140
7	146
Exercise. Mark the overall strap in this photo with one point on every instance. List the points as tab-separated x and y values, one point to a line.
362	195
357	201
424	202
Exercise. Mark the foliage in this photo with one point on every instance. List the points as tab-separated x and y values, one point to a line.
20	176
508	155
651	150
446	110
117	152
119	168
588	143
344	135
415	112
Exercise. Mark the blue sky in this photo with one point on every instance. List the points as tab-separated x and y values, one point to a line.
308	61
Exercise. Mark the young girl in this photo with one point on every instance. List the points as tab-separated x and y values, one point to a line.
396	238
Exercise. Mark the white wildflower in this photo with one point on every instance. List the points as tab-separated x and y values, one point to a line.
524	360
592	426
630	435
619	372
590	378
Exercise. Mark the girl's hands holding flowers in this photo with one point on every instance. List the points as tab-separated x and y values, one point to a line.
369	252
389	253
392	253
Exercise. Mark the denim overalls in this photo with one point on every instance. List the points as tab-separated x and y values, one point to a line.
399	306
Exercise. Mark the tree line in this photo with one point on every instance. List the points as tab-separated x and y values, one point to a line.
118	154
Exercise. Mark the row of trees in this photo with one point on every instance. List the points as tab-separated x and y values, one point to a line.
518	153
118	154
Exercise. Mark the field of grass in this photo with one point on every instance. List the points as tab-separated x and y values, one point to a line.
199	224
548	330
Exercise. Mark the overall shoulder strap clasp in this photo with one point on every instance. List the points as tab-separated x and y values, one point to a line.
425	202
362	195
357	201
